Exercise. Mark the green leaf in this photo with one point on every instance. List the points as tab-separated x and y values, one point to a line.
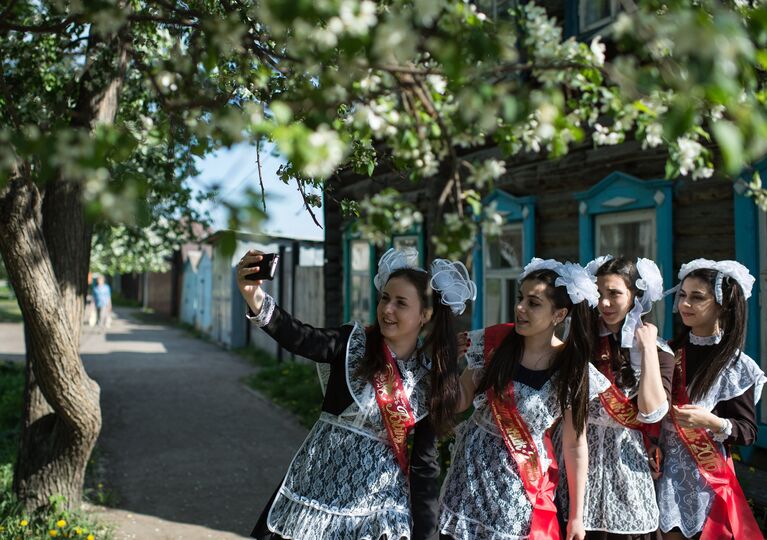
730	140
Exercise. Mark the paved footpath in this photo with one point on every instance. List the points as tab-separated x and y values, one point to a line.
188	450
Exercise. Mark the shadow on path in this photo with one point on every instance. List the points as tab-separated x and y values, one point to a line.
183	439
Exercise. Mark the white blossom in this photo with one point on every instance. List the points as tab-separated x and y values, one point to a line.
598	50
689	151
653	135
327	153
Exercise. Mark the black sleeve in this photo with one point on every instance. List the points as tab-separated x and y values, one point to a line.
741	411
424	481
324	345
666	362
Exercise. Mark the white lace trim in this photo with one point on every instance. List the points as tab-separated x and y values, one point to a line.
654	416
475	354
705	340
740	375
342	483
724	434
263	317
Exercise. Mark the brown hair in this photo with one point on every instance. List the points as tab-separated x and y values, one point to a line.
441	342
733	318
572	384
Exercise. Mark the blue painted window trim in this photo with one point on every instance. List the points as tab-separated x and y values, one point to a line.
349	235
638	195
747	246
517	210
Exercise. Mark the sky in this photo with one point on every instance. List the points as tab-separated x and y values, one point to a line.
235	170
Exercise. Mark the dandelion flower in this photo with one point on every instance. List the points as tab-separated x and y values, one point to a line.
91	537
53	532
23	522
61	523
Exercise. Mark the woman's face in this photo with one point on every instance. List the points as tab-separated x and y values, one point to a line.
535	312
697	305
615	299
400	313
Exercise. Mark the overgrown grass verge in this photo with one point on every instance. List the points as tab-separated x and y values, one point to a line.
10	311
289	384
52	522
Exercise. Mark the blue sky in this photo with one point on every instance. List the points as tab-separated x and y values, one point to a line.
235	170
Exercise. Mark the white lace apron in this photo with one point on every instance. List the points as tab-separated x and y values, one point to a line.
345	481
620	492
483	497
684	497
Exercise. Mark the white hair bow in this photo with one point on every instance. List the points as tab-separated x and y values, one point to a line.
451	279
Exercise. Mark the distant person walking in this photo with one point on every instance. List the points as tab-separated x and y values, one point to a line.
102	295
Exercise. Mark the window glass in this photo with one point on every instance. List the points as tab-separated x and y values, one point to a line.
594	13
503	264
504	250
359	295
626	233
493	311
496	9
402	242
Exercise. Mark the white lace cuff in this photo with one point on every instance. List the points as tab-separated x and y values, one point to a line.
724	433
655	416
265	315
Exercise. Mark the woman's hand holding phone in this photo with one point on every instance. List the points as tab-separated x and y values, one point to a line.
250	289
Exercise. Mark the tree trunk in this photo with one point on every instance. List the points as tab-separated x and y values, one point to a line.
62	418
45	241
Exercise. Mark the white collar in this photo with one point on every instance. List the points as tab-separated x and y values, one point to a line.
604	331
705	340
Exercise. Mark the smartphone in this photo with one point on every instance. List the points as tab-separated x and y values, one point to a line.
267	267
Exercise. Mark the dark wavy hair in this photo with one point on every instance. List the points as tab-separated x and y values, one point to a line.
626	268
733	319
571	362
440	342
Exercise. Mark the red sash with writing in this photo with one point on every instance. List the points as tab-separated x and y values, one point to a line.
620	408
395	408
539	485
730	516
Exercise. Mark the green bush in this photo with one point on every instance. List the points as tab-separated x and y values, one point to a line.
292	385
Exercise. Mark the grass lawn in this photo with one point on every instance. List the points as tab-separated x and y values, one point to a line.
292	385
9	310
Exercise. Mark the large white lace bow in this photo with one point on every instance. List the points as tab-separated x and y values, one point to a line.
732	269
596	264
650	282
451	279
393	260
578	282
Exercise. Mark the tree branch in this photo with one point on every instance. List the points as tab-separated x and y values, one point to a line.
260	173
306	203
146	17
48	27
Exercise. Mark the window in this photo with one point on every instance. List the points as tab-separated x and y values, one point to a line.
359	269
498	260
496	9
623	215
627	233
503	264
404	242
411	239
359	297
593	14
